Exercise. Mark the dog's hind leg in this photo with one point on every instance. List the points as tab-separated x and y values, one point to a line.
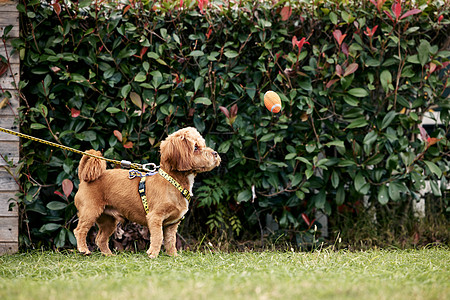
86	219
107	225
170	239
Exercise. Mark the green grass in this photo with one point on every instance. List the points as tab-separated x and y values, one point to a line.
386	274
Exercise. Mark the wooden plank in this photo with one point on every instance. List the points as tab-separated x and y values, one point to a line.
11	76
9	16
8	205
9	151
8	5
9	248
8	122
10	53
7	183
10	109
9	229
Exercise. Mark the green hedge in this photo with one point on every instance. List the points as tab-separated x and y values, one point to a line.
120	77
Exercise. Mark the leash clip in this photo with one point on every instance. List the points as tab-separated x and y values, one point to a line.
125	164
150	167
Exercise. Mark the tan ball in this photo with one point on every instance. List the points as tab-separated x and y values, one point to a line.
272	101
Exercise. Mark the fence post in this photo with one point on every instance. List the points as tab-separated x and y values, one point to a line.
9	145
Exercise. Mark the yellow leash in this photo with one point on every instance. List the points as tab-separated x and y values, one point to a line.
124	163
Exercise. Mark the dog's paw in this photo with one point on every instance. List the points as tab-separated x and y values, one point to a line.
151	254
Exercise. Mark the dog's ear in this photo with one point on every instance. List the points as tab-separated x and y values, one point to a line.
176	153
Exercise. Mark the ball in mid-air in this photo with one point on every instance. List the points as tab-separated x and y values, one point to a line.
272	101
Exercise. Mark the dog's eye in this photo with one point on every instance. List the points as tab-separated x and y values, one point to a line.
196	148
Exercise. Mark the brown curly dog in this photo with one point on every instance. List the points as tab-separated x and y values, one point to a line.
106	197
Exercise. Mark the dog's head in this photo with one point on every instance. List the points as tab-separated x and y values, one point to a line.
185	150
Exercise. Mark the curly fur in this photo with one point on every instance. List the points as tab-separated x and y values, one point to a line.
106	197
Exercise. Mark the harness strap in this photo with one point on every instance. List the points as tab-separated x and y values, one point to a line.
186	194
141	190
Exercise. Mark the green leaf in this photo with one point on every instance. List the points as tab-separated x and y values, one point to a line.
357	123
394	191
267	137
358	92
231	53
423	52
386	80
37	126
360	181
125	90
433	168
309	173
319	199
333	18
223	148
383	196
340	195
203	100
244	196
56	205
196	53
388	118
199	81
49	227
334	179
140	77
336	143
290	156
113	110
304	160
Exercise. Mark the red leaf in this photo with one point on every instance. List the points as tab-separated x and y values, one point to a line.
118	135
233	110
67	187
126	9
56	8
294	41
75	112
432	67
389	15
331	82
306	219
397	9
345	49
351	69
143	51
225	111
286	13
339	36
338	70
432	141
410	13
423	133
128	145
3	68
59	194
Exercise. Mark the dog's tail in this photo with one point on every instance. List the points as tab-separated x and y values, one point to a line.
91	168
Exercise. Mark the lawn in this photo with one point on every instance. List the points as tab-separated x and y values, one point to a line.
377	274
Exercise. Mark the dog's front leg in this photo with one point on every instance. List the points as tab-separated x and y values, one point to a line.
156	234
170	239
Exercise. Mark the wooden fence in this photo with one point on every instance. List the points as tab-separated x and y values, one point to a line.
9	144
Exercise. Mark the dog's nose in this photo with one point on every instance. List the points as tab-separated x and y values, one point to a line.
214	154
